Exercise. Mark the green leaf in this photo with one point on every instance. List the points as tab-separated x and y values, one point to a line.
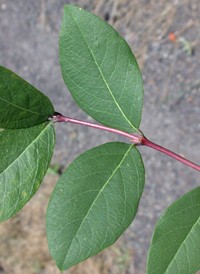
175	246
100	70
25	157
94	201
21	104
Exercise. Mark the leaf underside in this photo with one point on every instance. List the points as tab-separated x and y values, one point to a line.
25	157
175	246
21	104
94	201
100	70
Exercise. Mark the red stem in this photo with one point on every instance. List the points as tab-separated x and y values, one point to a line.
134	138
170	153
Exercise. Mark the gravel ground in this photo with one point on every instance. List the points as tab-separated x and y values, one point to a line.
171	73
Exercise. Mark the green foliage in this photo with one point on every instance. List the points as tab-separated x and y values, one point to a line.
100	70
26	155
176	240
94	201
97	197
21	104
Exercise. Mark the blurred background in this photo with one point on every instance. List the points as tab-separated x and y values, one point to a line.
165	38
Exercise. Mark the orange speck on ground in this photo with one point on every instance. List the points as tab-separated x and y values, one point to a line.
172	37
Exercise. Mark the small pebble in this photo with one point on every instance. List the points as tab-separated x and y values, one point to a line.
3	6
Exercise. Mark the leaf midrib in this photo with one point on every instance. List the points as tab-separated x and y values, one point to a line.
21	154
102	75
100	191
18	107
187	236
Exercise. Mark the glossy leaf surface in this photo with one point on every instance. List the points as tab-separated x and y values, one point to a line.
21	104
25	157
94	201
100	70
175	246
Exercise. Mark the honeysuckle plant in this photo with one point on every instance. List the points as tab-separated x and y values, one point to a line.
97	196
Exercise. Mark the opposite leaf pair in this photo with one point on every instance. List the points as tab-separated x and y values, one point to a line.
26	141
97	197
